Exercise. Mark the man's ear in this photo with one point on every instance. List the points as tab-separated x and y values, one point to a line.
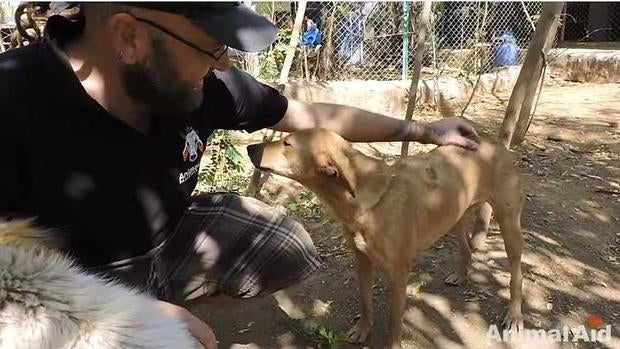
338	167
130	41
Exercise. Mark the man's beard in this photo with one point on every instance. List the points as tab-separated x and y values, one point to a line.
155	84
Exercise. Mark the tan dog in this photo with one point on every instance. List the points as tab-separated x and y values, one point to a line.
391	213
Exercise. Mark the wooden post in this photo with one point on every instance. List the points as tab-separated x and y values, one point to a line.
290	53
563	29
417	66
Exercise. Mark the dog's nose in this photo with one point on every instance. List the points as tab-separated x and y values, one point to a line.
255	152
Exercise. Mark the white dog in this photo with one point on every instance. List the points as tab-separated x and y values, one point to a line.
48	302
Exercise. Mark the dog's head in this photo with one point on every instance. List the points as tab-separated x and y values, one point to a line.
310	157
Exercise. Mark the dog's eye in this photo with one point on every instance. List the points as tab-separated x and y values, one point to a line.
287	143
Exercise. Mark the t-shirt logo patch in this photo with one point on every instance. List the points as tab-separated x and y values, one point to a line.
192	145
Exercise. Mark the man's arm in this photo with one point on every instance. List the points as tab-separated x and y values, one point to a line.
358	125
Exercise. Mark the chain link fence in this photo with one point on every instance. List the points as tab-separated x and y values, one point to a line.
590	22
376	40
7	24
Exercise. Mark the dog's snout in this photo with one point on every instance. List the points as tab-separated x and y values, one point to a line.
255	152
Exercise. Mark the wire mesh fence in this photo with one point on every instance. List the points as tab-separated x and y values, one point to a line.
376	40
590	22
5	36
7	24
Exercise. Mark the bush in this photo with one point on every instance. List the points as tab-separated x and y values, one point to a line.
272	60
226	166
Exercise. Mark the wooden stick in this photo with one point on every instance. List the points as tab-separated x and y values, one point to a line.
417	67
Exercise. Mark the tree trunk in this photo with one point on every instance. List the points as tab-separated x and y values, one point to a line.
531	70
251	58
417	67
532	88
290	54
326	61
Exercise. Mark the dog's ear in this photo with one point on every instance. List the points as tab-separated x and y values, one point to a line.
338	166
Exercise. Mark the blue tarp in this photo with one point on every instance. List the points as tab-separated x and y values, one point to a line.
350	44
312	36
506	50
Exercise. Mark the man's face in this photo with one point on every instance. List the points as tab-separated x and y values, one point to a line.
169	77
157	83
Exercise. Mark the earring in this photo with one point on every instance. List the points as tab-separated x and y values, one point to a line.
119	55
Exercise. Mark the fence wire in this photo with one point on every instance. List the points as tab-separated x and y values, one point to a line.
590	22
7	24
376	40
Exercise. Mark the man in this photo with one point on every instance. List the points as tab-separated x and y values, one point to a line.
103	128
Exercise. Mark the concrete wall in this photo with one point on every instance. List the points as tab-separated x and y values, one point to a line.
587	65
390	97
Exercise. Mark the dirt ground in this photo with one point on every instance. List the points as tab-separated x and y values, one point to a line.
571	224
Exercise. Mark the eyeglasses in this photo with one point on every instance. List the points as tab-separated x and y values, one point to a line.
219	52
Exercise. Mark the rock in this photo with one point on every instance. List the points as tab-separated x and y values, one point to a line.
556	136
414	289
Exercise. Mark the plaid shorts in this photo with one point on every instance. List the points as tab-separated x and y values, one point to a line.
224	244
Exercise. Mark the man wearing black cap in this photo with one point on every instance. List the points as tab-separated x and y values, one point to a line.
103	128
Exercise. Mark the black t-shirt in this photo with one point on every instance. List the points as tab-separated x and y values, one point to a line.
112	191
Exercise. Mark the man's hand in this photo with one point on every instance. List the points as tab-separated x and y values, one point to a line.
200	330
454	131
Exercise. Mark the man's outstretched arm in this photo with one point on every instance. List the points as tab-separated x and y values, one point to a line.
358	125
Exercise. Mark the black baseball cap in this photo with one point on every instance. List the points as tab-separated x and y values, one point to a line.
231	23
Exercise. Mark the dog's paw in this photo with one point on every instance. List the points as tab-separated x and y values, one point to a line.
359	332
480	259
513	322
455	279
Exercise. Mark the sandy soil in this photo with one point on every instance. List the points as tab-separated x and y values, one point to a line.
571	223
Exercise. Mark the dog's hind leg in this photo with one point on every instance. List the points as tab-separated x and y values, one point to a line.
508	215
481	227
359	332
397	278
462	269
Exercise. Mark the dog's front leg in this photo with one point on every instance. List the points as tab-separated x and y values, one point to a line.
359	332
510	227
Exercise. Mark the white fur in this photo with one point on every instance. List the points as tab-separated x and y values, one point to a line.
47	302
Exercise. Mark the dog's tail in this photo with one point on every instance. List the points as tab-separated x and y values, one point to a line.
23	233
